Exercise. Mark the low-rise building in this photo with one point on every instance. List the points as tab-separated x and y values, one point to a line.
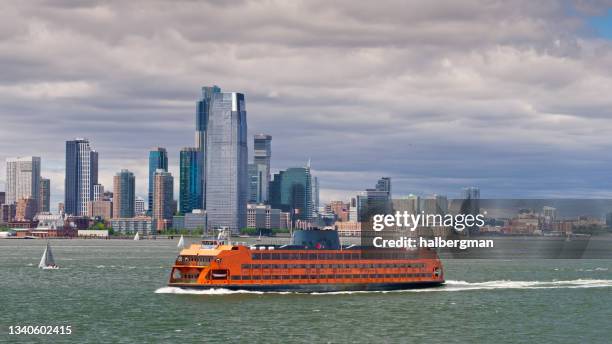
262	216
346	228
89	233
144	225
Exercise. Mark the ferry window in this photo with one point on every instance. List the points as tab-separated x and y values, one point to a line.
312	266
275	277
256	277
313	276
312	256
285	277
276	256
295	256
355	256
285	256
265	277
256	256
304	277
265	266
303	256
236	277
246	266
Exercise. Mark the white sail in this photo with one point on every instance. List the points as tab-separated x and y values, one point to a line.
43	259
181	243
47	258
136	237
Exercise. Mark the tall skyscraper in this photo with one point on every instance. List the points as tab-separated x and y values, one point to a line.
44	198
158	159
190	183
291	191
22	179
81	172
203	109
94	169
124	194
315	194
163	198
262	147
226	162
258	183
375	201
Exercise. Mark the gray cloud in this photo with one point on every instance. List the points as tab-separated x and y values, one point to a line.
510	96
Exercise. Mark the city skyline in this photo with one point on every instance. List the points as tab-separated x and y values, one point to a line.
518	107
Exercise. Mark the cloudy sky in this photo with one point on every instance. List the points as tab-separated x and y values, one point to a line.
514	97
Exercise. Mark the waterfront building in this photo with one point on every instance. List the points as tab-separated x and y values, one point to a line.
2	197
44	197
158	159
144	225
178	222
262	216
26	209
81	175
7	213
348	228
61	208
190	183
101	209
139	206
290	191
22	179
163	199
262	154
226	161
124	194
193	221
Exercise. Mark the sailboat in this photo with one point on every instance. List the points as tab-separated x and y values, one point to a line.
181	243
136	237
47	261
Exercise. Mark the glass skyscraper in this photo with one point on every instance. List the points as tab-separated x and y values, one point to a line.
262	148
81	172
158	159
226	153
258	183
190	184
203	109
291	191
124	194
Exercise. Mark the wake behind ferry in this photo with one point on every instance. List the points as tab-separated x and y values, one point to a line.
315	261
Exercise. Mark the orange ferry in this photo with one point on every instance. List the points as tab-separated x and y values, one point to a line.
315	261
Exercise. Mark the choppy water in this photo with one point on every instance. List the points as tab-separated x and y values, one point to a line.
114	292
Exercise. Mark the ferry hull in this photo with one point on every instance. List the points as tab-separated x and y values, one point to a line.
315	288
